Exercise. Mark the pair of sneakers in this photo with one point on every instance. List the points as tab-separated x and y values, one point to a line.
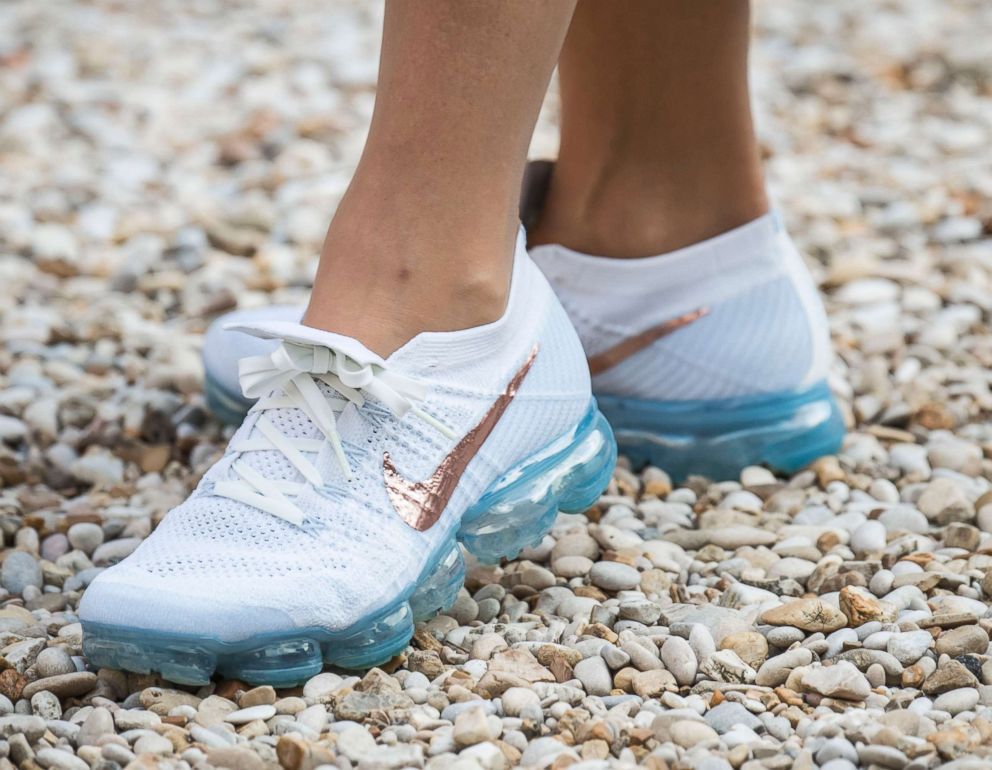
340	512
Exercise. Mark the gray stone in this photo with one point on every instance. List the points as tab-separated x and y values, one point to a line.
58	759
86	536
53	661
32	727
594	675
956	701
355	743
680	660
728	714
46	705
99	722
908	647
20	570
775	671
614	576
840	680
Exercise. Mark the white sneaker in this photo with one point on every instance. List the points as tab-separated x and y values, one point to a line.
707	359
334	519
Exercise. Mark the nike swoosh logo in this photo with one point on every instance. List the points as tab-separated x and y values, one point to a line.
421	503
609	358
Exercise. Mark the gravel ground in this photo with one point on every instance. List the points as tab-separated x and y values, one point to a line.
164	162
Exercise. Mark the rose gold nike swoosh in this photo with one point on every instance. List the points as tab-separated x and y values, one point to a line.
421	503
609	358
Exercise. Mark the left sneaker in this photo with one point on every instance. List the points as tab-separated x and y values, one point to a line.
337	516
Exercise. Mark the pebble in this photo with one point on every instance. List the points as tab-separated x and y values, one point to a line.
153	744
689	733
471	727
63	685
679	659
53	661
840	680
870	537
85	536
728	715
98	723
57	759
517	699
910	646
613	576
594	675
355	743
246	715
19	571
962	641
807	615
956	701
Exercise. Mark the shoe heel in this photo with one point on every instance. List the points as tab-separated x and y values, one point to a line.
520	507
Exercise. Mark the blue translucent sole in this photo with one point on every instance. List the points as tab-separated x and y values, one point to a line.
516	511
718	438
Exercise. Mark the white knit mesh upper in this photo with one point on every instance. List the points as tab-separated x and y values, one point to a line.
354	552
765	330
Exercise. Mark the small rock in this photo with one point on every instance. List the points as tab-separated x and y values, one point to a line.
861	607
63	685
355	743
956	701
594	675
98	723
807	614
950	676
962	641
750	646
840	680
679	659
516	699
246	715
690	733
728	715
20	570
472	727
614	576
153	744
53	661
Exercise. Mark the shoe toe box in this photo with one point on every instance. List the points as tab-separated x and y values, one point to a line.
129	598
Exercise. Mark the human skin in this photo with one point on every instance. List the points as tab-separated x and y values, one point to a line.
423	238
657	143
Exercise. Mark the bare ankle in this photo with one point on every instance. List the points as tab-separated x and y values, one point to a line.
629	213
385	285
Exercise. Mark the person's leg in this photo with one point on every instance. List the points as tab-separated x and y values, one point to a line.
423	239
657	145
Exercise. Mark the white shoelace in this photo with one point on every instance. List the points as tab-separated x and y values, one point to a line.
294	370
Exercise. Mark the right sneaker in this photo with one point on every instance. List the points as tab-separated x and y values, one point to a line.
707	359
337	516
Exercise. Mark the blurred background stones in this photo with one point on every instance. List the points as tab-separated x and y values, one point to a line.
162	163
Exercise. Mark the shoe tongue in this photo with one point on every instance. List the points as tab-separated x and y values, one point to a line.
306	335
